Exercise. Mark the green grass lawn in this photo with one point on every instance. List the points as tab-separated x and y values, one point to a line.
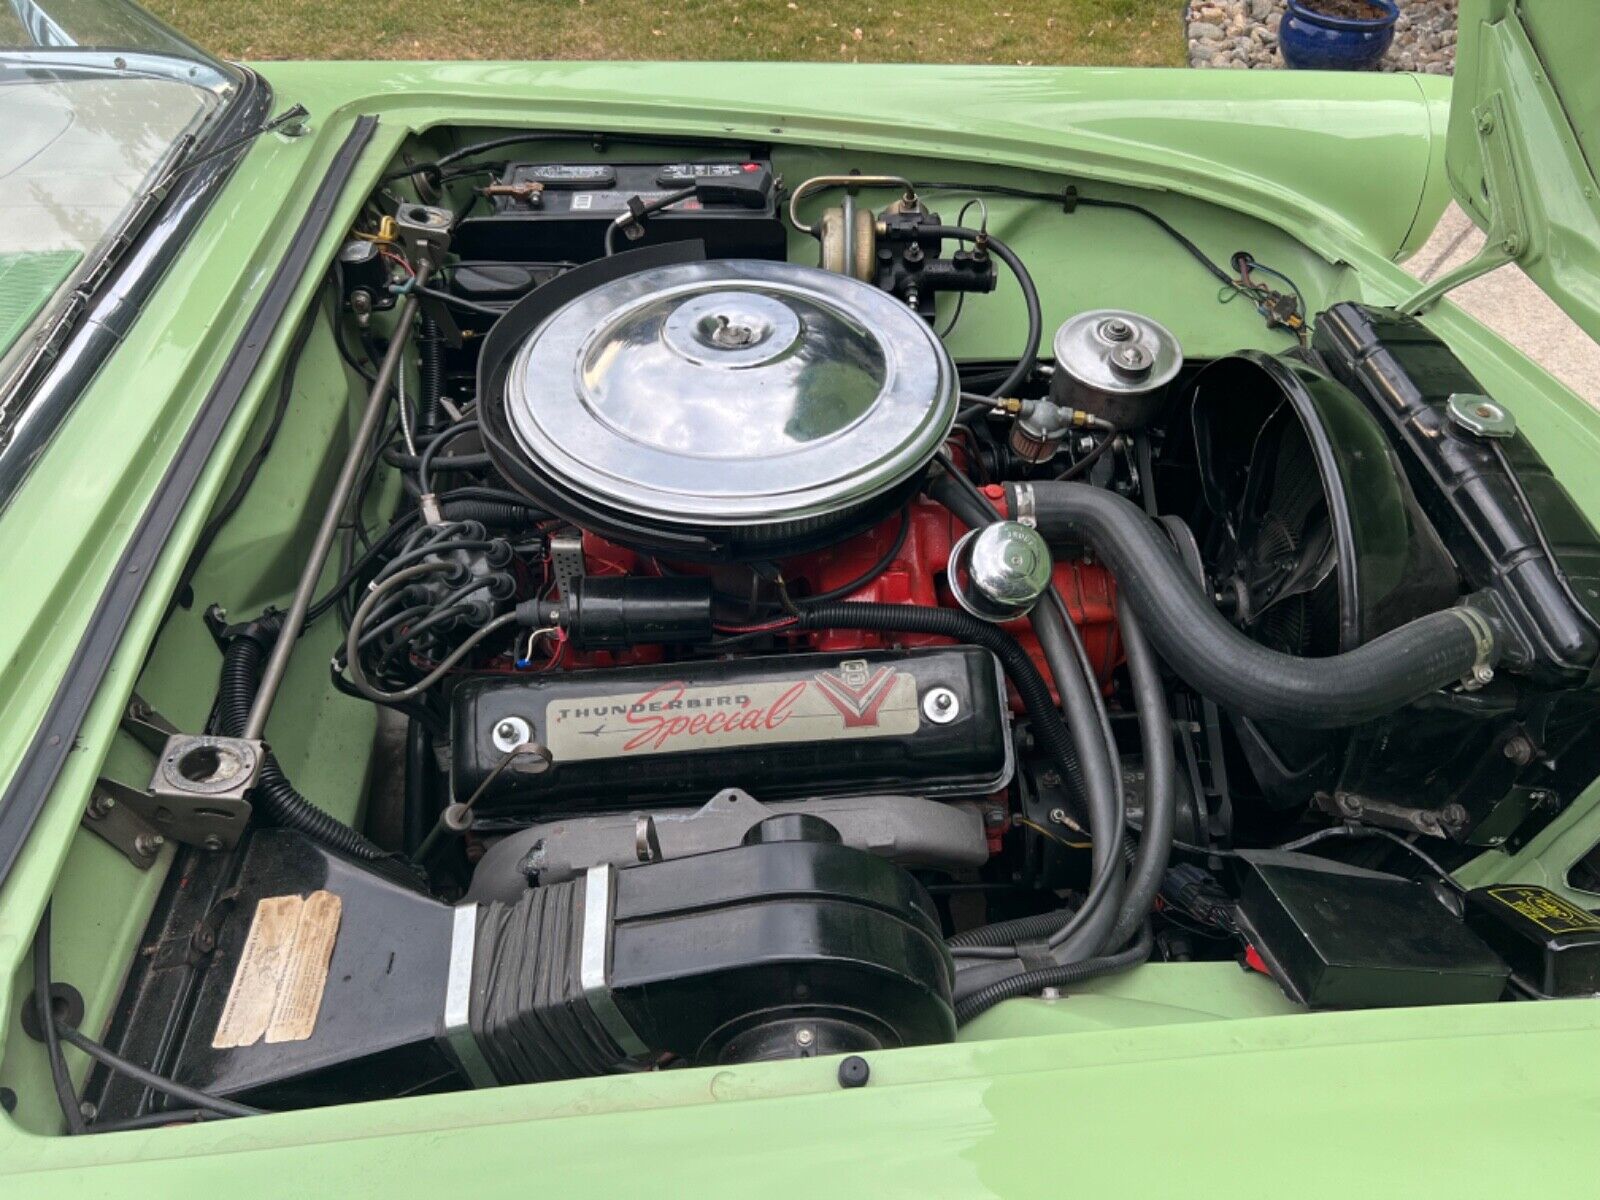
1122	32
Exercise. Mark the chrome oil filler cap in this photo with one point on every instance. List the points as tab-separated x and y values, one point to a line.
999	571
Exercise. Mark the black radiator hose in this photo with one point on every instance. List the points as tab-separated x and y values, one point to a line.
1091	772
1161	773
1225	665
1148	862
958	494
274	797
1084	932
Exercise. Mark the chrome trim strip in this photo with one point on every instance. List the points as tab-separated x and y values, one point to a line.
594	961
458	1038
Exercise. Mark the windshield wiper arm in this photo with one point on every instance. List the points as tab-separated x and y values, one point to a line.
288	116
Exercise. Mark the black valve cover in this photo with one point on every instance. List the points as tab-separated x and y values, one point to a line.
931	722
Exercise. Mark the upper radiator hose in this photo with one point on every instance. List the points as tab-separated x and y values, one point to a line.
1222	663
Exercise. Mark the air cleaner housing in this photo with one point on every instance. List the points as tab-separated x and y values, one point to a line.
728	409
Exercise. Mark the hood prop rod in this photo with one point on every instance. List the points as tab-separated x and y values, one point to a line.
294	620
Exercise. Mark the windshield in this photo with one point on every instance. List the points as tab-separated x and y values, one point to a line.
96	97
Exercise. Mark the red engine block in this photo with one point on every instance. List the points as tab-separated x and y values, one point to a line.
915	576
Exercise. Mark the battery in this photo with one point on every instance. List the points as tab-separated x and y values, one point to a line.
924	722
552	212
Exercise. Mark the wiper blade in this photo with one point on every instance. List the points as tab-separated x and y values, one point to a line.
144	206
40	25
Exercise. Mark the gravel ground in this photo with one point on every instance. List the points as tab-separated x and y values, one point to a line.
1244	33
1512	305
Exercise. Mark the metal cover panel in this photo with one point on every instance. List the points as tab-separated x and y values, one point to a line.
731	393
1088	346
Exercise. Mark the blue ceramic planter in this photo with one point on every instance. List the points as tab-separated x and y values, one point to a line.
1313	42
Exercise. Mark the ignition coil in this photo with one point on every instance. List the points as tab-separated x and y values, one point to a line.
603	612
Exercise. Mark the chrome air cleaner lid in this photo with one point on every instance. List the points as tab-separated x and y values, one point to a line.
736	395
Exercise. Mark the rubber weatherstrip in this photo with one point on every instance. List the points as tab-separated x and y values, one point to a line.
41	764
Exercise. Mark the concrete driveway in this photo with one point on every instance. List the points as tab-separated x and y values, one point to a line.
1509	303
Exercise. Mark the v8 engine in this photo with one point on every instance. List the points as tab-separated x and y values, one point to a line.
775	683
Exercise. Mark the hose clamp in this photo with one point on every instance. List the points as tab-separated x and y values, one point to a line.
1024	511
1483	638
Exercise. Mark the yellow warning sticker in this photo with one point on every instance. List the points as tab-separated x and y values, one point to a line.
1550	912
278	985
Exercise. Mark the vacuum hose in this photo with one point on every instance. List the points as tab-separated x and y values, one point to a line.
1029	357
1221	662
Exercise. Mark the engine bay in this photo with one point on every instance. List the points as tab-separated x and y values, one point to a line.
767	667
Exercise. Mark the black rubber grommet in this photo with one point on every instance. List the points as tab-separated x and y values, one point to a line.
854	1072
67	1002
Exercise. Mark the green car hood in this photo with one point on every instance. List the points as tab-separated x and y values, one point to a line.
1524	142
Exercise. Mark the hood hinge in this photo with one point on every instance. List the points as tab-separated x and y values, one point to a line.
1507	236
